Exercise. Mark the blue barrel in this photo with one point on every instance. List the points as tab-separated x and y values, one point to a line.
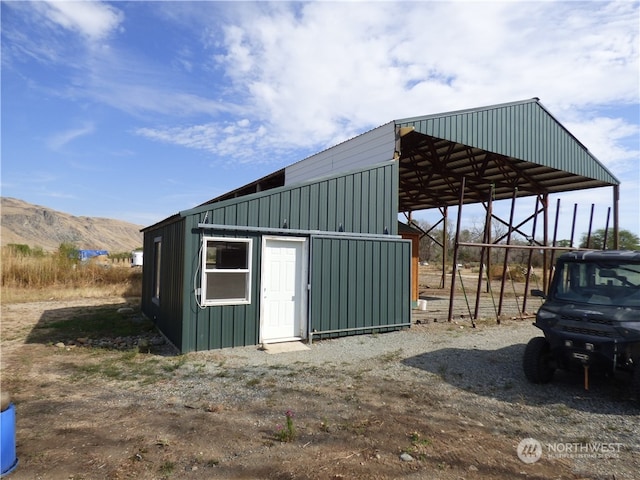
8	459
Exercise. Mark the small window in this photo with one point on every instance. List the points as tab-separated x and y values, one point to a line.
226	271
157	251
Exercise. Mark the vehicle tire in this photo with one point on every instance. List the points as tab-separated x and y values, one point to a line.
537	361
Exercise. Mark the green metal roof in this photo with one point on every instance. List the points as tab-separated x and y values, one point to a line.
512	146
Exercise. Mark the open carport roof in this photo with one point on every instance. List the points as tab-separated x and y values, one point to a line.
513	147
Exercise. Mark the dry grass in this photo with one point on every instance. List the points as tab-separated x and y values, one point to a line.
56	276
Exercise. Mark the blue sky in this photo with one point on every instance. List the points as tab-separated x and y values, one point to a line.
136	110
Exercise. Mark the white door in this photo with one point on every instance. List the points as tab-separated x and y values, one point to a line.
284	273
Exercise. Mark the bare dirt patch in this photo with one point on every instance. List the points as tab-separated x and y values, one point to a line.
96	407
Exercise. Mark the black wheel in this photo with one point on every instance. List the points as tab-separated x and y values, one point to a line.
537	361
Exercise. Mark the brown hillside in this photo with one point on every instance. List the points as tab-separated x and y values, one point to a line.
37	226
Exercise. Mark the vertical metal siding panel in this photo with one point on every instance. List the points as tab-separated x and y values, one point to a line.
242	215
526	129
359	283
395	259
336	292
263	211
532	130
217	215
351	282
384	283
314	207
374	259
389	188
240	326
206	332
381	219
315	279
253	213
326	268
365	203
374	201
405	261
285	208
294	214
336	214
357	204
398	285
274	220
461	130
347	221
305	208
394	189
230	215
323	206
489	133
191	312
367	279
252	312
317	285
343	283
226	330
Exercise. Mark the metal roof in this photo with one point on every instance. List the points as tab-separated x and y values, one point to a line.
516	146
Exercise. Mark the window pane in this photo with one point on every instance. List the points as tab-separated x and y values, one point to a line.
226	286
227	255
156	268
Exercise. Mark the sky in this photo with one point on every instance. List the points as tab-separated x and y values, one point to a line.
137	110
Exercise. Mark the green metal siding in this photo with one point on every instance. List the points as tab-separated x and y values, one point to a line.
365	201
219	326
355	286
359	285
167	316
523	130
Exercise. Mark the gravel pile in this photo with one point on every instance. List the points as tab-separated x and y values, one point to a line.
478	370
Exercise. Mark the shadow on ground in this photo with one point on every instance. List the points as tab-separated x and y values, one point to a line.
498	374
110	326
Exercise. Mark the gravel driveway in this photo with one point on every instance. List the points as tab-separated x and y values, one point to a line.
479	371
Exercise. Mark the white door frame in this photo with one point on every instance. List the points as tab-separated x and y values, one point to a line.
301	303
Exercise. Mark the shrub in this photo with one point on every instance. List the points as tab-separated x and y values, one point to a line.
24	268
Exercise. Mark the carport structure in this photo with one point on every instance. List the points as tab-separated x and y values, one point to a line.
474	156
494	153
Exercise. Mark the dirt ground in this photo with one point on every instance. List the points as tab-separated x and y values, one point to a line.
107	413
92	405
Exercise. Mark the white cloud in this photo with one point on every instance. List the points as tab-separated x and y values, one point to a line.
239	141
605	138
60	139
315	74
93	20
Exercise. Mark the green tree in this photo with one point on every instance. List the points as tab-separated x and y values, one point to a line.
67	254
626	240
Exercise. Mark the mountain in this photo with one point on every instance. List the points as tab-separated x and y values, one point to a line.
37	226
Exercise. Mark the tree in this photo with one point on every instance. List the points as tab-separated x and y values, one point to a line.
626	240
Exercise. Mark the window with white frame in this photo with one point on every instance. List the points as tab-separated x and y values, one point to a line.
226	271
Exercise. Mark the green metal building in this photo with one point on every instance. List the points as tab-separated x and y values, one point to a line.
317	259
313	251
